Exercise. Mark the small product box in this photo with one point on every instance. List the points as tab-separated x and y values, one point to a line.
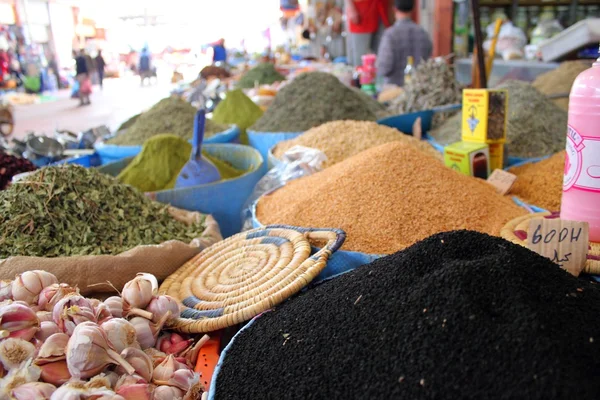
471	159
497	156
484	113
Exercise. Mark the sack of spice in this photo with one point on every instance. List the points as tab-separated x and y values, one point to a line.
86	227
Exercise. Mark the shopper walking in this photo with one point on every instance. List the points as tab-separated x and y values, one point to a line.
219	52
83	78
100	66
367	20
145	67
404	39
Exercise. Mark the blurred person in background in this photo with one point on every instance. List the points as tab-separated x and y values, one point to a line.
145	67
219	52
405	38
100	66
367	19
82	74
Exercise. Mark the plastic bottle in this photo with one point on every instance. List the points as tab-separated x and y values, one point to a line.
409	69
581	186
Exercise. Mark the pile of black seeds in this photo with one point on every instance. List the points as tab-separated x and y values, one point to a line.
460	315
310	100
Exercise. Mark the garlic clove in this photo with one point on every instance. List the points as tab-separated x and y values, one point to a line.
184	379
121	334
5	290
52	294
172	343
140	391
139	291
89	352
147	331
192	352
47	329
150	278
29	285
44	316
33	390
102	313
159	305
71	311
164	371
18	376
119	308
18	321
56	373
15	351
100	381
196	391
167	393
140	361
67	392
53	349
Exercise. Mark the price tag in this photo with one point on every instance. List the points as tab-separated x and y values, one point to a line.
502	181
417	130
564	242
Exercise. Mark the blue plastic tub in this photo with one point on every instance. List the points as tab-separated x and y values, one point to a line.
264	141
111	152
404	122
88	161
224	199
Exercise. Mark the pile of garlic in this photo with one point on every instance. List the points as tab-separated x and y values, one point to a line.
56	344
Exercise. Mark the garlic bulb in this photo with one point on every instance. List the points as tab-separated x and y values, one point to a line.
147	331
184	379
56	373
167	393
71	311
196	391
67	392
159	305
102	312
139	391
50	295
29	285
53	349
139	291
119	308
44	316
121	334
18	321
5	290
88	352
164	371
33	390
99	381
14	351
140	361
172	343
18	376
47	329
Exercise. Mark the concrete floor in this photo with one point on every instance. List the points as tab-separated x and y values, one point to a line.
120	99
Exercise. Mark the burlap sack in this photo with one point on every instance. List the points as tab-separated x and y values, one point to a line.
92	273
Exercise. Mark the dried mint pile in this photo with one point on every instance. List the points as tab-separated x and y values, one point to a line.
536	127
263	73
310	100
70	210
460	315
170	115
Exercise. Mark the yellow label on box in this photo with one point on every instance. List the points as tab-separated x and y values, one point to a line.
484	114
468	158
496	156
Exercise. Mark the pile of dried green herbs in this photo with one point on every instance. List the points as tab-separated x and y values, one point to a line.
310	100
170	115
536	126
70	210
263	74
432	84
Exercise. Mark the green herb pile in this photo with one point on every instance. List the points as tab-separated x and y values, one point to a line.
264	74
536	126
170	115
70	210
310	100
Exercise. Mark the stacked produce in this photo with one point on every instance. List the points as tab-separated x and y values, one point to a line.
535	127
460	315
541	183
560	80
170	115
262	74
56	344
11	166
340	140
432	84
212	71
310	100
387	198
70	210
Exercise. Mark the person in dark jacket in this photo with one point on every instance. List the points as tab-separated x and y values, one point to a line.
100	66
145	67
219	51
82	74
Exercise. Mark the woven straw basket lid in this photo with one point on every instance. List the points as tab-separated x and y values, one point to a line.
236	279
516	231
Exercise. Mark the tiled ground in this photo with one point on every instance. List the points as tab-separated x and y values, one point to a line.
120	99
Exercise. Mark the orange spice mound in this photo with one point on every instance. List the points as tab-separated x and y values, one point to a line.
387	198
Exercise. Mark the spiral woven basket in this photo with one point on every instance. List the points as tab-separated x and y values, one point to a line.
238	278
516	231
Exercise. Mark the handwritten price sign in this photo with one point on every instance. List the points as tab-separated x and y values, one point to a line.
503	181
564	242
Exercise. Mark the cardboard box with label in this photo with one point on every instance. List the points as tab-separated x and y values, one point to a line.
484	115
471	159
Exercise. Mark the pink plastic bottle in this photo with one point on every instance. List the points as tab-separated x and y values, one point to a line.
581	185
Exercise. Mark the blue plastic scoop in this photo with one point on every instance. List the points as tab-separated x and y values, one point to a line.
199	170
